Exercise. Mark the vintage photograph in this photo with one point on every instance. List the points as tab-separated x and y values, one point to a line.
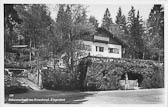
84	54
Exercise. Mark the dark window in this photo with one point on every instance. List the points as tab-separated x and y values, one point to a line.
110	50
99	49
96	48
114	50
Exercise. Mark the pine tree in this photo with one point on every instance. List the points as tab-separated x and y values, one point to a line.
107	20
138	39
121	21
156	31
119	17
135	34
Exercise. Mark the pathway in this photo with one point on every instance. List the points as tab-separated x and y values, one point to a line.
26	82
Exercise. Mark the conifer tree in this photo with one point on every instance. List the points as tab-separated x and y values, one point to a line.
155	25
121	21
135	34
107	20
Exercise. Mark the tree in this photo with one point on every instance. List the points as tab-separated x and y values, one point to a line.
36	23
72	23
140	47
94	21
121	21
119	16
156	31
135	34
107	20
36	28
11	18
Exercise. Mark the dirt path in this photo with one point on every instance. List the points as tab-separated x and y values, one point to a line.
146	96
26	82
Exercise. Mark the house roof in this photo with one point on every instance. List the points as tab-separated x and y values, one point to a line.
104	33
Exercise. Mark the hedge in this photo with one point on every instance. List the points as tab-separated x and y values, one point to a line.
59	79
95	73
105	73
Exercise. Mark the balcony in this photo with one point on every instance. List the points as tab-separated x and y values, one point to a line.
101	39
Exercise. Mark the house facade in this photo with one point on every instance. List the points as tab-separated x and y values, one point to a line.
103	44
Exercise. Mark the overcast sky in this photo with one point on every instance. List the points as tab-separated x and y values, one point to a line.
98	10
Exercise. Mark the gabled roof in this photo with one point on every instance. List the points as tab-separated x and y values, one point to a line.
104	33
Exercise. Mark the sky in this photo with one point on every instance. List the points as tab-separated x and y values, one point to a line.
98	10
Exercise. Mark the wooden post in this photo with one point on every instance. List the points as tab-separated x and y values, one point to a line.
30	55
126	80
38	66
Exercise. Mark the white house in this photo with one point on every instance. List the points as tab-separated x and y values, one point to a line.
103	44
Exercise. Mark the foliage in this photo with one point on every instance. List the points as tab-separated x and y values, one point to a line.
121	21
59	79
155	34
10	16
16	64
135	34
105	73
94	21
107	20
12	86
72	24
36	23
157	79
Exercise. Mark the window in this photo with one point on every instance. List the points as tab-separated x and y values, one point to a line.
114	50
110	50
99	49
96	48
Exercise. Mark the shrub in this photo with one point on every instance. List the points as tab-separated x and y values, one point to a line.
156	80
12	86
59	79
146	83
151	71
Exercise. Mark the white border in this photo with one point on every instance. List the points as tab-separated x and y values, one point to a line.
113	2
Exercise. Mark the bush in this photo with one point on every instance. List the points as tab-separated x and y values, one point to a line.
12	86
156	80
59	79
146	83
151	71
